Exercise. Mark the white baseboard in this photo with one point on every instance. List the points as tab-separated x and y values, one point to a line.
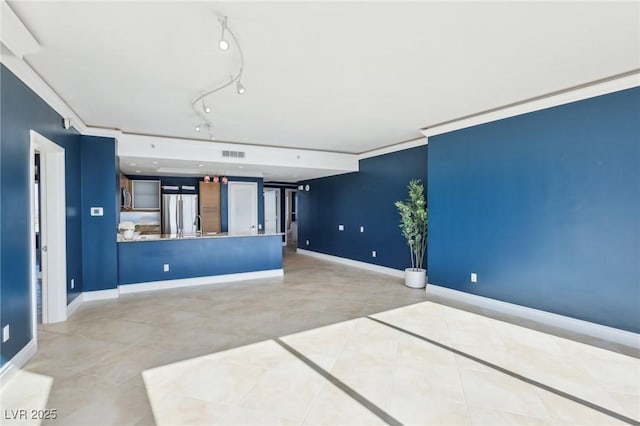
75	304
355	263
90	296
599	331
17	362
188	282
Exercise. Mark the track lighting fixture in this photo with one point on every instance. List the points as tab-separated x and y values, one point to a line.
199	105
223	44
239	88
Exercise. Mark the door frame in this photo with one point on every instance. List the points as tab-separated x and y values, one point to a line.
232	186
53	237
288	206
278	212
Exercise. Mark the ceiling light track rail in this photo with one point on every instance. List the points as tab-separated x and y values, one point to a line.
199	105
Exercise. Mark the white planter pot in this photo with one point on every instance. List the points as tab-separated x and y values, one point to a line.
128	234
415	278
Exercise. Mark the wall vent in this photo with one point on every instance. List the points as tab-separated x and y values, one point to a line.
233	154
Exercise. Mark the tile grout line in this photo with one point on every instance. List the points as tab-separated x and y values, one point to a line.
374	409
333	365
464	392
515	375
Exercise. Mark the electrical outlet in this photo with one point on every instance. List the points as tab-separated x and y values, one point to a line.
307	242
374	254
340	227
5	333
362	229
259	226
73	283
474	277
166	267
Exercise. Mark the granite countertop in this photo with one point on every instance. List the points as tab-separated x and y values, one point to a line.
163	237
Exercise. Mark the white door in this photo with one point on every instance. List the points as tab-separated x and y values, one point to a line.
52	230
243	208
271	210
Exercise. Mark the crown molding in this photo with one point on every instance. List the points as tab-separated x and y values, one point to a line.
15	35
100	131
18	42
393	148
579	93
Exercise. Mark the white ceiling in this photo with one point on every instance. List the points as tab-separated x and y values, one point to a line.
348	77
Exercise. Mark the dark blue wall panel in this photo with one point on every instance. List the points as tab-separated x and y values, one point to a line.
545	208
197	257
365	198
99	189
21	111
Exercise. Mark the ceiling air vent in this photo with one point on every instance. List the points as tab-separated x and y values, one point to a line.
233	154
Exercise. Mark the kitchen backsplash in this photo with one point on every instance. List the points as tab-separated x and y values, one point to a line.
141	218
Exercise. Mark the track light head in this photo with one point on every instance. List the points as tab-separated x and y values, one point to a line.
206	108
240	88
198	128
223	44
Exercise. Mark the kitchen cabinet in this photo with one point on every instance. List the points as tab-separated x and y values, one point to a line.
210	206
145	194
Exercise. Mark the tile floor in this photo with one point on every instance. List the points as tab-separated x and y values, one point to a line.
325	345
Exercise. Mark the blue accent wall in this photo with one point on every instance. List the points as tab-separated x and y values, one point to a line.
100	184
545	208
21	111
197	257
365	198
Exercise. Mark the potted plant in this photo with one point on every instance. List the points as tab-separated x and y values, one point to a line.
127	228
413	223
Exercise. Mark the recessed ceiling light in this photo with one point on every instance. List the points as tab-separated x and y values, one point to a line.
155	162
241	167
132	164
137	171
200	165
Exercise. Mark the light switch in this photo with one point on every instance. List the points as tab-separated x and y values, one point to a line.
340	227
362	229
96	211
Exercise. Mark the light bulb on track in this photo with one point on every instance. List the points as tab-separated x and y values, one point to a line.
240	88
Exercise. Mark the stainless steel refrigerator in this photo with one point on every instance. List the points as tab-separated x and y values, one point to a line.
179	213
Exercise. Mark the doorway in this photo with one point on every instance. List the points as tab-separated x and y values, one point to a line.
243	208
272	210
291	224
48	222
36	236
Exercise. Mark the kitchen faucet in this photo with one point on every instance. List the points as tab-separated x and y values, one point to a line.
198	223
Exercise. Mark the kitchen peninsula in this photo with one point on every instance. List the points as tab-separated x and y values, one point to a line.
211	231
165	261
